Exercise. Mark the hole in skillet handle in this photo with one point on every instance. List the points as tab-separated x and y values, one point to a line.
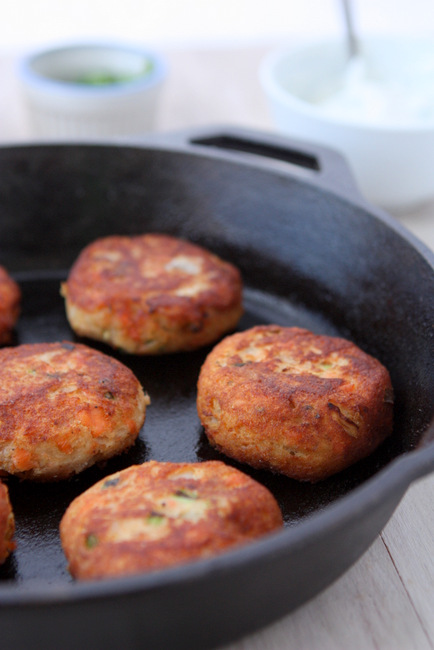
321	165
288	155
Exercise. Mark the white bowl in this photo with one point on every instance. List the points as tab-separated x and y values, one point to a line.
92	90
388	144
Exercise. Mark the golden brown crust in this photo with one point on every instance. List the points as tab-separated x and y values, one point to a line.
7	524
64	407
157	515
10	299
297	403
152	294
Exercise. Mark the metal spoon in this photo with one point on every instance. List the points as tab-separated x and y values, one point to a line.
352	41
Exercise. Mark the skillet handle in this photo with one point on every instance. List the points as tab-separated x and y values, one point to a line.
312	162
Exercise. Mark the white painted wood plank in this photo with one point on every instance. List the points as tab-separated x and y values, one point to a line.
367	608
409	537
421	223
214	87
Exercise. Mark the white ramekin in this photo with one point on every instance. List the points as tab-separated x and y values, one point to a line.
61	105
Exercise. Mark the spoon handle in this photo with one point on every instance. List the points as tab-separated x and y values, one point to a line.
353	46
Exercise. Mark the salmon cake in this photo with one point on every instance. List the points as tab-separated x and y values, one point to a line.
152	294
64	407
297	403
7	524
161	514
10	299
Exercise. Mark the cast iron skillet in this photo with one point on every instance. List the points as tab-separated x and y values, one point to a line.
312	253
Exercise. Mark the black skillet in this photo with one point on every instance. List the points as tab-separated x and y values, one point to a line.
312	253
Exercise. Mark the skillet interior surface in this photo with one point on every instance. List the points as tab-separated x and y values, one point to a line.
172	432
308	258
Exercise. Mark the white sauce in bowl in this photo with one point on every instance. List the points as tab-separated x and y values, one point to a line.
405	97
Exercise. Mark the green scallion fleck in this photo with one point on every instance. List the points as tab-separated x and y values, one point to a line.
155	519
91	540
185	493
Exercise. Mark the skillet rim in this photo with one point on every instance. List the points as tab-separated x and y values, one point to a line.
189	142
395	477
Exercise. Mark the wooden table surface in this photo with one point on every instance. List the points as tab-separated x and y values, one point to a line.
386	600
